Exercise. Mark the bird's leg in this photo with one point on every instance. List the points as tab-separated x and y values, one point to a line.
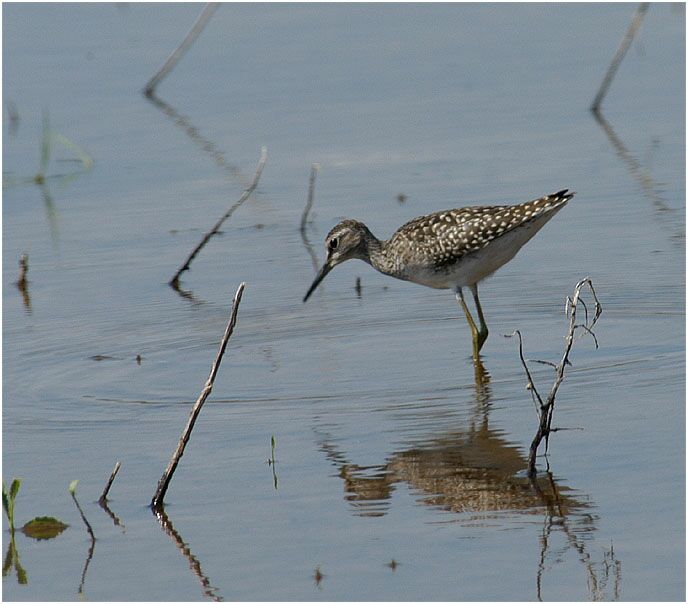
482	332
471	323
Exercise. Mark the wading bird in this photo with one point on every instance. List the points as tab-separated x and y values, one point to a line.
451	249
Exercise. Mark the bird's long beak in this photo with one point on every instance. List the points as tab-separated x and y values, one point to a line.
326	268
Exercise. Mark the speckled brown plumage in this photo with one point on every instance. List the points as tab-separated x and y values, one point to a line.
429	249
445	237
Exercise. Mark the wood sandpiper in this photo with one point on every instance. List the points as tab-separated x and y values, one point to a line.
451	249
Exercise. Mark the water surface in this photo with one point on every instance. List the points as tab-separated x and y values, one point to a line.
398	475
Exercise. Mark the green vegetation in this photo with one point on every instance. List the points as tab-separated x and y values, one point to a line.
43	527
8	498
48	139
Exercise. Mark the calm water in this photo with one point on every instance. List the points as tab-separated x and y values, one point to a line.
397	475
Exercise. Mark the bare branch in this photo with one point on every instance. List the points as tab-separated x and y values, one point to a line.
309	201
106	490
543	362
585	308
531	384
23	270
620	53
174	282
179	52
157	501
547	408
587	330
304	217
92	547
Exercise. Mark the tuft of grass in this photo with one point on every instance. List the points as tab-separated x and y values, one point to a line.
45	150
8	499
85	159
47	139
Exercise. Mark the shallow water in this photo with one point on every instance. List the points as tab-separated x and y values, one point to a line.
398	476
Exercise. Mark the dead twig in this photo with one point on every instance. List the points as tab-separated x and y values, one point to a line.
23	283
179	52
618	57
174	282
23	270
537	399
311	192
106	490
92	547
546	408
157	501
543	362
304	217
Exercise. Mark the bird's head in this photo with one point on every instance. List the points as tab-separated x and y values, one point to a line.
349	239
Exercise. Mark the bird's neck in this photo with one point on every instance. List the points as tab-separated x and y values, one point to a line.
376	255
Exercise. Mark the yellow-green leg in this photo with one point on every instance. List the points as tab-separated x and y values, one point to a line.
482	332
471	323
479	335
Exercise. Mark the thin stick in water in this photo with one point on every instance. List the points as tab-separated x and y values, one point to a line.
106	490
618	57
174	282
23	270
304	217
179	52
311	192
164	482
92	547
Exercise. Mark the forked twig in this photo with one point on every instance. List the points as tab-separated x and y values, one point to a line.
546	408
178	52
531	384
163	483
174	282
620	53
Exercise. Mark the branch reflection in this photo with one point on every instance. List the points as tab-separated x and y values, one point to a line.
477	473
664	212
206	145
194	563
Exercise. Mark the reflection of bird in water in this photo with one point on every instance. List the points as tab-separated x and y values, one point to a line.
480	476
475	471
451	249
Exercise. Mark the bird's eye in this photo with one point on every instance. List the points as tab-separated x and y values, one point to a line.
332	245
